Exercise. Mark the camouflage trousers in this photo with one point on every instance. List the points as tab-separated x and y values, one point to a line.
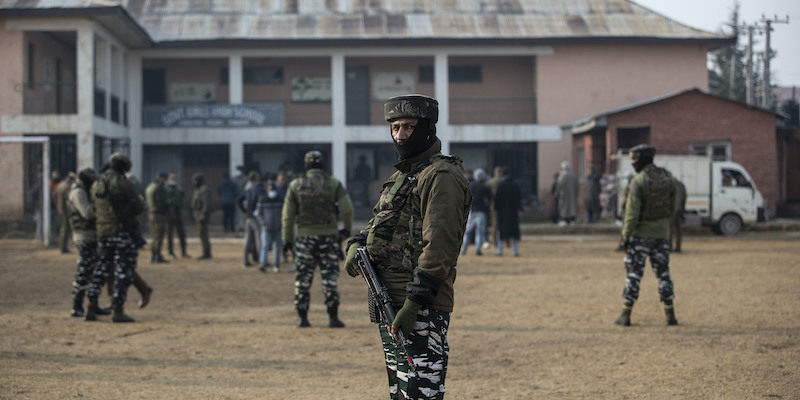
88	261
429	349
635	259
311	251
118	252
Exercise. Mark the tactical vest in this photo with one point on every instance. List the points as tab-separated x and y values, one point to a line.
76	220
315	195
658	194
394	239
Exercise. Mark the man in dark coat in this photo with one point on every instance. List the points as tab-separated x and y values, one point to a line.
508	204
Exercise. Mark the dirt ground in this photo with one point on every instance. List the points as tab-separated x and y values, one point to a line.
536	326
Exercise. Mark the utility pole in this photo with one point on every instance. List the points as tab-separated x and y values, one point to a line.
766	102
749	74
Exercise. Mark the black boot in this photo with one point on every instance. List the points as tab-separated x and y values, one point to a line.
333	318
119	316
624	319
669	310
77	306
91	311
302	321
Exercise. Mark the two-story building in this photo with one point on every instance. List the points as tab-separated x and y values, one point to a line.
207	86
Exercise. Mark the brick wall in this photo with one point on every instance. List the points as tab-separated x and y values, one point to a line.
694	117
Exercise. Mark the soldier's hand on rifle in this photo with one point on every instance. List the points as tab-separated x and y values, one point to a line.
405	319
351	264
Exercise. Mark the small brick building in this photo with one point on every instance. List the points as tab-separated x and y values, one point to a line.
685	122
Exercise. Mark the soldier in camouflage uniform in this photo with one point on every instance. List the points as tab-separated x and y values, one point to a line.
117	204
414	240
314	201
80	214
157	211
649	207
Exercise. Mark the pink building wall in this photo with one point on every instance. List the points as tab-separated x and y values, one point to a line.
11	74
579	81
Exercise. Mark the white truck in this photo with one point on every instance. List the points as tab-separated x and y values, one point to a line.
719	194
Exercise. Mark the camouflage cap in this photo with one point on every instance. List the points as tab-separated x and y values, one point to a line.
411	106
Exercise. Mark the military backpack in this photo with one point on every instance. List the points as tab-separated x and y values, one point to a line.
658	194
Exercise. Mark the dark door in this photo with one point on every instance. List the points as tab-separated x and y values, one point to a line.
154	89
357	96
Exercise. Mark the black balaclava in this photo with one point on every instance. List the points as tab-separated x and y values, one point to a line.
645	156
423	137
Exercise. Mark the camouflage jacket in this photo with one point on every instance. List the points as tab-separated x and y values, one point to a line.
634	224
80	213
117	204
201	203
439	201
314	201
156	196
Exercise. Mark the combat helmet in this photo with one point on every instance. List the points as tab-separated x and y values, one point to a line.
120	162
313	159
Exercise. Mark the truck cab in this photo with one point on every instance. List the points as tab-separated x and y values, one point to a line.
735	200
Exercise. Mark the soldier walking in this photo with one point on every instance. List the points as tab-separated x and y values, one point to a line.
650	204
157	207
118	205
414	240
313	202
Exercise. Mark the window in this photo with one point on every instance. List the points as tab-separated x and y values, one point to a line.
719	151
732	178
457	74
31	49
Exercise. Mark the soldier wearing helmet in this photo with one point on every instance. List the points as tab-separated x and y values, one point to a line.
414	240
314	202
117	206
650	203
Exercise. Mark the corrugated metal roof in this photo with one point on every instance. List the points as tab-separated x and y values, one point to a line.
201	20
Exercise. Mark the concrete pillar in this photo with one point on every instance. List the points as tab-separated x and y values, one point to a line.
441	80
133	72
235	82
338	99
85	78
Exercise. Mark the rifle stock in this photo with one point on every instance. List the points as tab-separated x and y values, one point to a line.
378	292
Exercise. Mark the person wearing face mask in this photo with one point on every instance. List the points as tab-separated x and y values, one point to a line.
650	204
414	240
268	213
175	199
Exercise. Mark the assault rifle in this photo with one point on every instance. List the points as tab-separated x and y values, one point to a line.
380	300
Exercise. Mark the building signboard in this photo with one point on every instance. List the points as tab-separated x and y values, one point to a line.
311	89
387	85
213	115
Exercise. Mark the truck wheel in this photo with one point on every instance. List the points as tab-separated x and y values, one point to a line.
730	224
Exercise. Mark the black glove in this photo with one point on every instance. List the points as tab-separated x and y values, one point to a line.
627	242
287	248
343	234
